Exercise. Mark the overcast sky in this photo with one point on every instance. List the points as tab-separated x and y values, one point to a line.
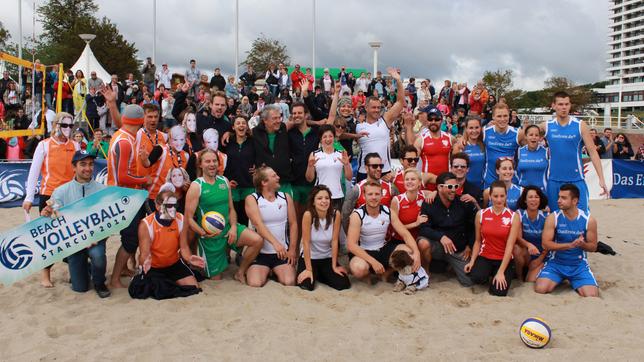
455	39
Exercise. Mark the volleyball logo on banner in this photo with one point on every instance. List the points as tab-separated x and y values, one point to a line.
12	185
15	255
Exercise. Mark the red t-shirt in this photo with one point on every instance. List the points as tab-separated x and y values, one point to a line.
494	232
408	212
386	194
435	154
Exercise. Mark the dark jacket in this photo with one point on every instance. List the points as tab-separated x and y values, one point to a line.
280	160
205	121
301	147
249	79
240	159
455	222
218	81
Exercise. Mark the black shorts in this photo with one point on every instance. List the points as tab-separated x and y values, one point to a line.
269	260
130	235
176	271
382	255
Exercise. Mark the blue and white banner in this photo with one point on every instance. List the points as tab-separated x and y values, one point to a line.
628	179
13	180
29	248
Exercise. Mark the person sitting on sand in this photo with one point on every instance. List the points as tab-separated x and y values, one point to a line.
568	234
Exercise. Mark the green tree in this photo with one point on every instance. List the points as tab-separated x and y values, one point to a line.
580	96
266	51
63	20
4	37
498	82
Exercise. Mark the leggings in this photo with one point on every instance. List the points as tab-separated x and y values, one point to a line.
322	272
485	268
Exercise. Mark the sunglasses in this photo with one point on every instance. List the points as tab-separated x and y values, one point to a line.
451	187
377	165
459	166
170	206
434	119
340	126
65	125
411	159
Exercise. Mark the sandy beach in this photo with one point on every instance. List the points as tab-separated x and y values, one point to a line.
229	321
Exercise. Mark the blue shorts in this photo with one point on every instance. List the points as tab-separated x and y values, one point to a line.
578	275
552	191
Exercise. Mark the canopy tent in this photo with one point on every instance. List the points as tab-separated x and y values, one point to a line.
87	58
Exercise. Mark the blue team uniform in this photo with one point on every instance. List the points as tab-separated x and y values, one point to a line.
565	165
569	264
514	194
532	167
497	145
477	164
532	229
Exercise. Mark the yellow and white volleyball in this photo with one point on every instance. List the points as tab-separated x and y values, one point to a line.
535	332
213	222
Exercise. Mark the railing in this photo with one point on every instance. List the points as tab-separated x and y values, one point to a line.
629	122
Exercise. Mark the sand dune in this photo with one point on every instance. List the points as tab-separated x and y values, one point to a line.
229	321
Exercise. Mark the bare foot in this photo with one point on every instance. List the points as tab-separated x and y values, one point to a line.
46	283
240	277
116	284
45	278
128	273
216	277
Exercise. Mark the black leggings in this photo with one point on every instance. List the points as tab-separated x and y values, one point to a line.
485	268
322	272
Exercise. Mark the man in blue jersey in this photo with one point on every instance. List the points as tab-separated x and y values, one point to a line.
566	135
568	234
500	139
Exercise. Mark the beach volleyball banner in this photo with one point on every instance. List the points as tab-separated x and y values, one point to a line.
628	179
29	248
13	179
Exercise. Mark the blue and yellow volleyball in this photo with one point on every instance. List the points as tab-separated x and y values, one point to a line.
213	222
535	332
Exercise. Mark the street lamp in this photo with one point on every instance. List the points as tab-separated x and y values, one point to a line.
375	45
87	38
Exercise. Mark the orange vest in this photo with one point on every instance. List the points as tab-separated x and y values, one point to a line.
57	166
147	142
111	156
166	162
164	240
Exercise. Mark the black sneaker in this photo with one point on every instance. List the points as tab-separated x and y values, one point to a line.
102	291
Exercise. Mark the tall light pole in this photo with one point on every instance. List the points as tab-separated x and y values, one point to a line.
20	42
313	42
619	100
154	32
375	45
87	38
236	40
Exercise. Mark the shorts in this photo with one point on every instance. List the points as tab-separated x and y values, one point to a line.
269	260
240	193
552	191
381	255
286	188
176	271
130	235
215	251
301	193
578	275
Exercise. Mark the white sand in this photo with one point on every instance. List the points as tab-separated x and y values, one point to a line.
229	321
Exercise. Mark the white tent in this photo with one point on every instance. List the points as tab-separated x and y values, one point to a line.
87	58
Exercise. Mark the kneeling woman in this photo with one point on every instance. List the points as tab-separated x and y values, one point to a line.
320	232
273	215
496	230
212	193
528	251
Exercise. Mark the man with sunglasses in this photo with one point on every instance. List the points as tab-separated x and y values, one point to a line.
467	191
434	146
448	234
355	197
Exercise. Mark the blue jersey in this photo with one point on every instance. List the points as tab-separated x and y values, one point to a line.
532	229
566	231
532	167
498	145
477	164
565	145
514	193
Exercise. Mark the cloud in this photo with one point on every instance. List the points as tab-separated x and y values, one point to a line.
459	39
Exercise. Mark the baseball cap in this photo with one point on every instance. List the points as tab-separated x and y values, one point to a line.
81	155
431	111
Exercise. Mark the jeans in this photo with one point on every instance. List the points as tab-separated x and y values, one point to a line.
80	269
274	89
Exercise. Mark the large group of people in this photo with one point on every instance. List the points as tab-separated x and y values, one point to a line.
304	175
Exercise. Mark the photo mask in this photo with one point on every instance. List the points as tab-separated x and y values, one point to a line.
176	178
168	209
191	123
178	137
211	139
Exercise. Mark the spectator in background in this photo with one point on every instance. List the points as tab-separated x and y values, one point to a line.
94	81
599	145
117	88
192	77
93	101
231	89
446	92
284	83
79	138
378	84
272	79
515	121
488	108
296	77
11	97
218	81
463	99
149	73
310	78
607	140
166	111
164	77
249	78
326	82
50	78
478	98
423	94
4	82
362	84
622	148
98	148
411	92
640	153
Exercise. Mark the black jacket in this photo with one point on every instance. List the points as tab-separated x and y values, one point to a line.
218	81
205	121
280	160
301	147
240	159
455	222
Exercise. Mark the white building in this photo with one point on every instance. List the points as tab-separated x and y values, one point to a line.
625	57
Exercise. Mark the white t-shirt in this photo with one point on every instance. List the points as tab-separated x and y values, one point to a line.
377	141
328	171
275	216
373	229
321	241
